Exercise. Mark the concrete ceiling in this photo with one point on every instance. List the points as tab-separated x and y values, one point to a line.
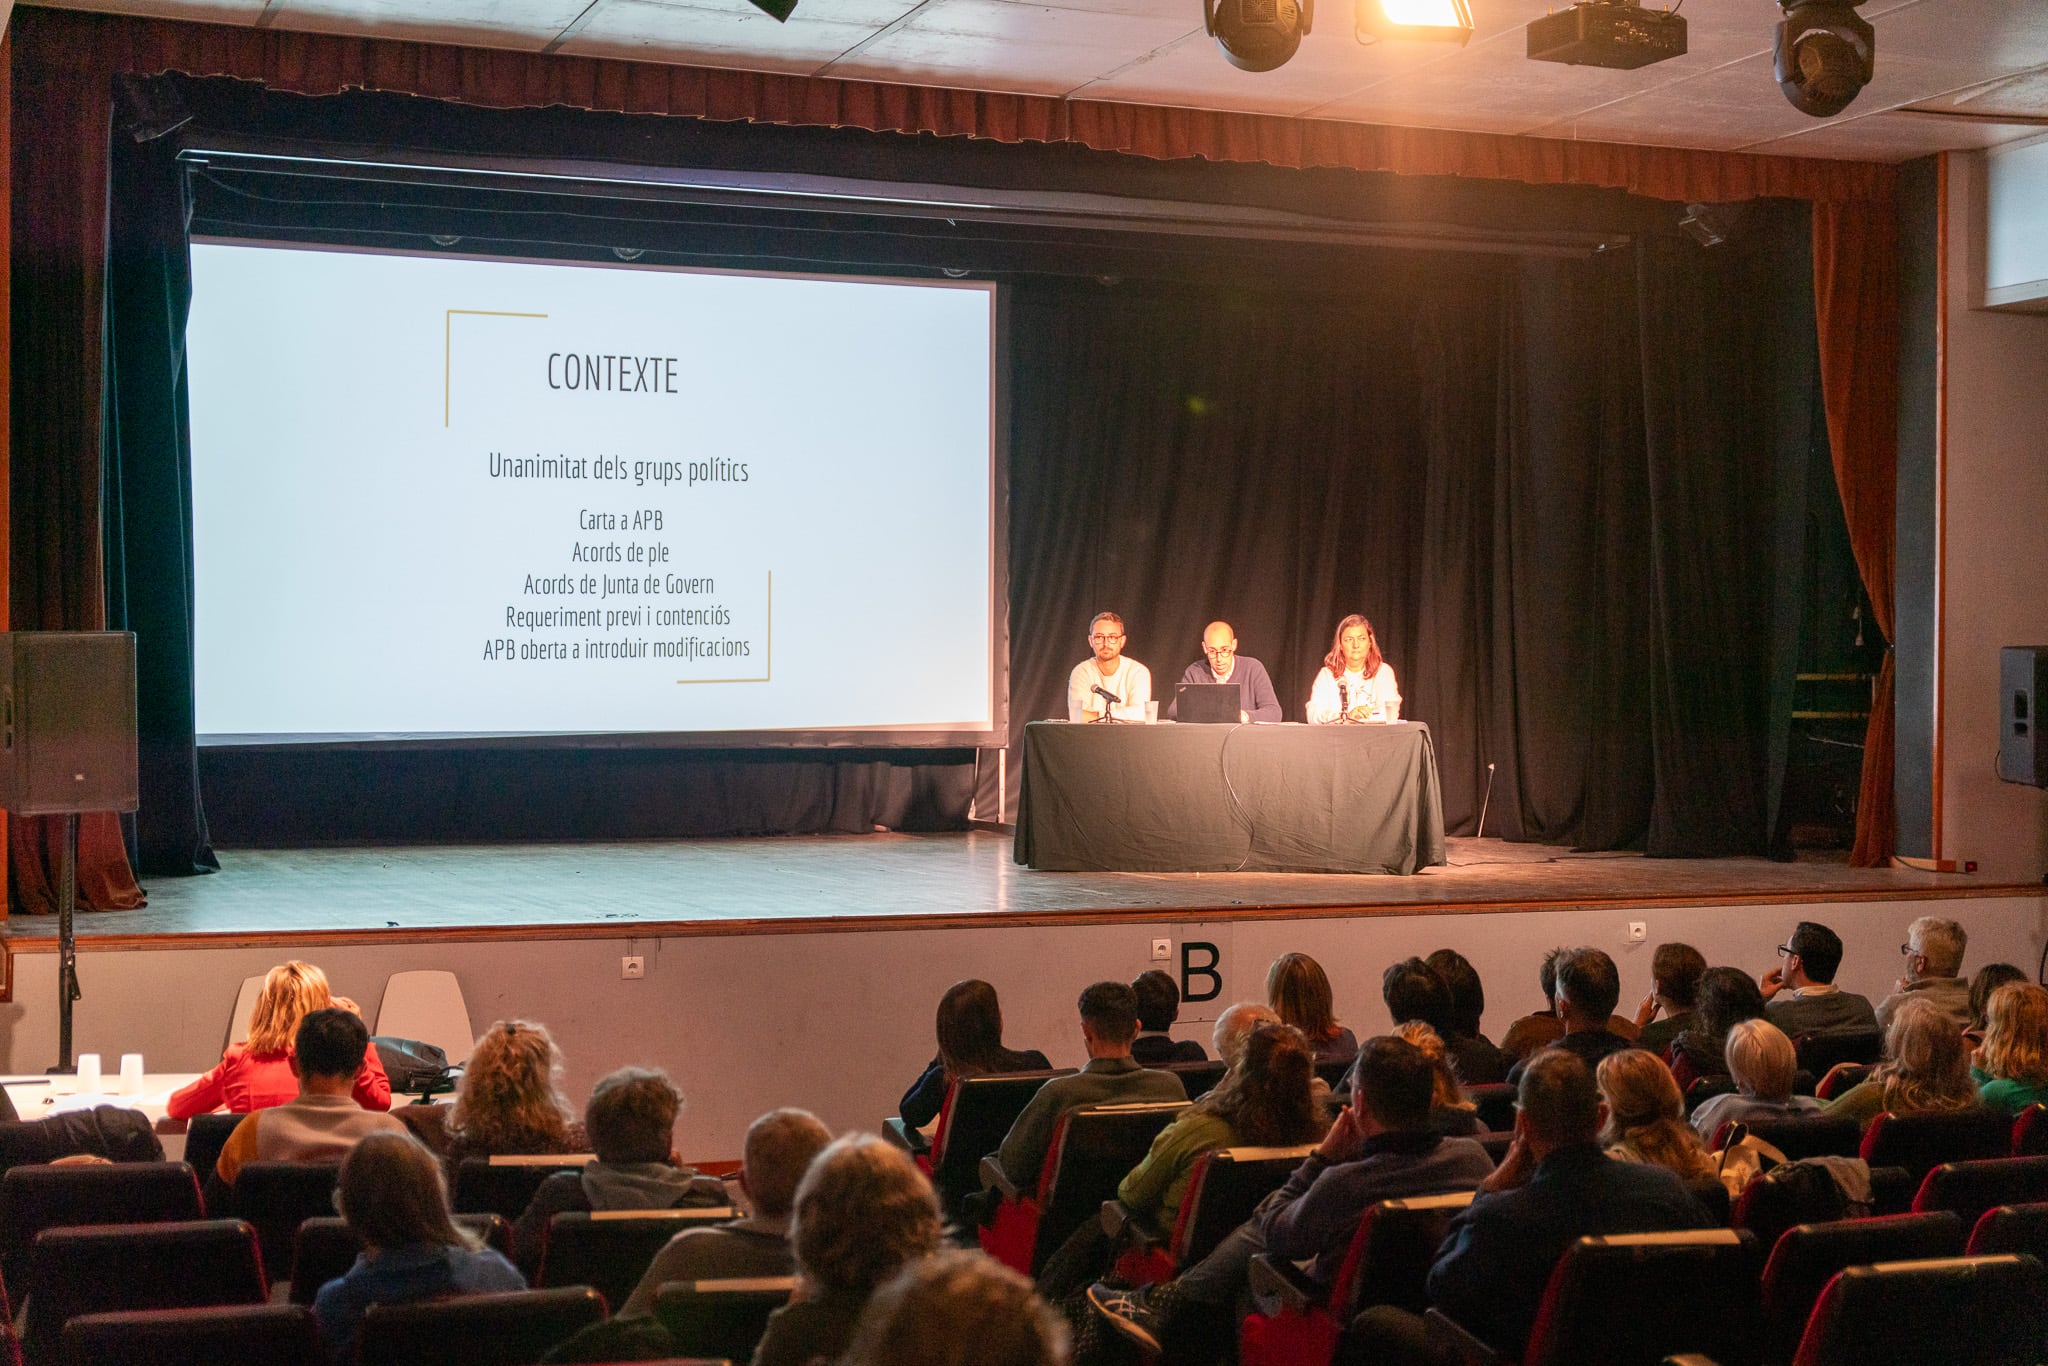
1947	70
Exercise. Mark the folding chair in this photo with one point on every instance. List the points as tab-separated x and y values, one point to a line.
427	1006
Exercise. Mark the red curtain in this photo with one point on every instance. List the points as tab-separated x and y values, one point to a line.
1855	290
64	61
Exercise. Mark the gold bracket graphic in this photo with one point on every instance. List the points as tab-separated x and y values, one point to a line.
448	345
767	652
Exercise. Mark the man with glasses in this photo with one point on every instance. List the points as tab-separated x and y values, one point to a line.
1934	966
1800	994
1223	664
1124	679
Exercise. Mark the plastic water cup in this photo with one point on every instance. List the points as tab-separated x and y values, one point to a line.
131	1074
1151	713
88	1073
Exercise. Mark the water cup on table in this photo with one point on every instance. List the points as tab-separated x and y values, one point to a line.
1151	713
131	1074
88	1073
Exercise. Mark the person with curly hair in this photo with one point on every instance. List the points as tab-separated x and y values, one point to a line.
1926	1068
957	1309
257	1073
1299	992
863	1211
1646	1116
509	1100
2011	1067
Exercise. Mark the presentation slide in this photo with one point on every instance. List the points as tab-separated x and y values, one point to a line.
450	497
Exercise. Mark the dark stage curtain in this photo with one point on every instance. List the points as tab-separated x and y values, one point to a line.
1552	485
146	495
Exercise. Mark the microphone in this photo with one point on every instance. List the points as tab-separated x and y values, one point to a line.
1114	700
1343	700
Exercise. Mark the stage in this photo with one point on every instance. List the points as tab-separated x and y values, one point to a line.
887	881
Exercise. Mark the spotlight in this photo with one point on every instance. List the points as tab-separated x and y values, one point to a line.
1620	34
1824	55
1257	35
1440	20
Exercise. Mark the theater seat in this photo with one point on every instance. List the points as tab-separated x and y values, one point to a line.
2030	1132
1496	1102
972	1124
1920	1143
721	1318
2011	1228
1808	1257
325	1249
1693	1291
1818	1051
243	1334
34	1198
205	1136
1224	1188
1802	1136
610	1250
276	1197
517	1328
1092	1150
98	1268
505	1184
1971	1188
1954	1311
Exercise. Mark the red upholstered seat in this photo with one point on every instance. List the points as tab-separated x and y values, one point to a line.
1920	1143
1809	1256
1693	1291
1971	1188
1092	1149
1956	1311
244	1334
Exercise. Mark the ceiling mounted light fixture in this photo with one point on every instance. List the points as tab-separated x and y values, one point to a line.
1257	35
778	10
1444	21
1824	55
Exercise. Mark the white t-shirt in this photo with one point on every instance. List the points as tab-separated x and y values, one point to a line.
1132	682
1380	695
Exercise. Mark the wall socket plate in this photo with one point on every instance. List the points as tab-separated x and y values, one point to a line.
632	967
1638	931
1162	950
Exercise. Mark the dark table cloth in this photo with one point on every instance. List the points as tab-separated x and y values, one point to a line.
1256	798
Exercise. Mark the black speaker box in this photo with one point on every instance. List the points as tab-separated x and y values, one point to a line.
2022	689
67	721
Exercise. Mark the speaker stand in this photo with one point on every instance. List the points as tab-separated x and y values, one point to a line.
67	940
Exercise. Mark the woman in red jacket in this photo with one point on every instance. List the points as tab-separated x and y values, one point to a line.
258	1074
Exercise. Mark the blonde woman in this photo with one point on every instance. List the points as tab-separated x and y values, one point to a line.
1926	1068
1646	1116
1298	990
2011	1068
1762	1063
257	1074
1452	1113
510	1098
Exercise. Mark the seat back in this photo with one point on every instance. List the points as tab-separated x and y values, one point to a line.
979	1113
1920	1143
724	1318
1834	1085
276	1197
2030	1132
1971	1188
1334	1071
34	1198
205	1136
1693	1291
1496	1102
505	1185
1093	1148
326	1248
244	1334
609	1250
516	1328
1959	1311
1820	1049
90	1269
2011	1228
1198	1079
1226	1187
1389	1258
427	1006
1808	1257
245	1006
1803	1136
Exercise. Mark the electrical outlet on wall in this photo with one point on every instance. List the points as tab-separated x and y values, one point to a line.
1638	931
1162	950
632	967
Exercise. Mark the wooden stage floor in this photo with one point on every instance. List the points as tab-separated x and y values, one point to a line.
685	887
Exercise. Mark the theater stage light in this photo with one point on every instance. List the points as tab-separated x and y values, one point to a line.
1824	55
1446	21
1257	35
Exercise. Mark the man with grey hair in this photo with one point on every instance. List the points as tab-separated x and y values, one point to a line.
1234	1029
1934	970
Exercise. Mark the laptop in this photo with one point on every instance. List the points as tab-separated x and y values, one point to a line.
1213	704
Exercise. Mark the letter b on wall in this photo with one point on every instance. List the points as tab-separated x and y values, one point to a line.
1199	978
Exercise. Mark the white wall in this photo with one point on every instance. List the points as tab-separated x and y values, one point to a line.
1995	558
842	1022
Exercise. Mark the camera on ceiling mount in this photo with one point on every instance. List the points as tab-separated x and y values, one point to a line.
1824	55
1257	35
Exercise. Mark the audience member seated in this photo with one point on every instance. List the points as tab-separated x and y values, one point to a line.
1934	963
1554	1187
863	1211
1234	1029
1478	1062
324	1120
1380	1148
1262	1102
1298	990
780	1146
1109	1021
2011	1069
1926	1068
1646	1116
1728	996
392	1194
1800	995
1667	1012
1451	1112
509	1102
970	1030
1158	1007
1989	978
1762	1063
257	1073
1412	990
631	1119
1587	988
957	1309
1532	1032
